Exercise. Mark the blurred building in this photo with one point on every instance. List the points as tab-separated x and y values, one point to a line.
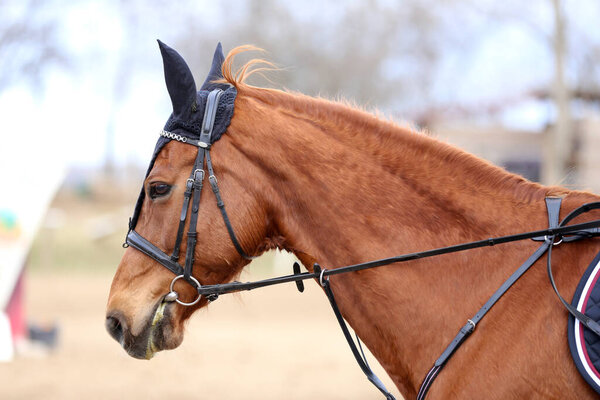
522	151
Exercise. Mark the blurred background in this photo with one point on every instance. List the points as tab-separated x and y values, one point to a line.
82	99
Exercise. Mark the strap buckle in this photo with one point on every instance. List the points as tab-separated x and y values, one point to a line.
473	324
551	238
201	172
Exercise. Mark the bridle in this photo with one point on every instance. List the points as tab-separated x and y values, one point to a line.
193	191
554	235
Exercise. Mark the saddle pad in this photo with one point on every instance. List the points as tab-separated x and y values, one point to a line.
584	344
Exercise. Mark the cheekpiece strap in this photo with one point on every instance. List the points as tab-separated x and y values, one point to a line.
197	178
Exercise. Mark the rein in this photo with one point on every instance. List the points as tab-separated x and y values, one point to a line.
579	231
557	233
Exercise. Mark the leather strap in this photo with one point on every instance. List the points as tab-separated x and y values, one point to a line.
361	360
184	209
208	122
233	287
553	207
138	242
584	319
197	177
215	187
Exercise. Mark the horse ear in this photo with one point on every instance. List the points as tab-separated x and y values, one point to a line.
179	79
215	71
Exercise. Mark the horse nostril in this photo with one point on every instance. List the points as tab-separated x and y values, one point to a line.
114	328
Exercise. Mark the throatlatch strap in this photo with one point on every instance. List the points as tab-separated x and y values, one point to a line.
553	207
215	187
362	362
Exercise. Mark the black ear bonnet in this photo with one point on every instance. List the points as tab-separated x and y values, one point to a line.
188	106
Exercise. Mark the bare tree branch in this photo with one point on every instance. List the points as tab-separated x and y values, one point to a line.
28	42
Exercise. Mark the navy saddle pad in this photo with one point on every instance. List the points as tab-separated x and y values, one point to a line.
585	344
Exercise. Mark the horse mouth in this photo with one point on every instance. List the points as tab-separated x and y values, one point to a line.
157	334
158	330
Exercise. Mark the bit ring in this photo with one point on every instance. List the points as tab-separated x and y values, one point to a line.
321	277
183	303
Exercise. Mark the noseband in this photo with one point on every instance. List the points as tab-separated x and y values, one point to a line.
193	190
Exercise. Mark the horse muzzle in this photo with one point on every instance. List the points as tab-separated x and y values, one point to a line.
157	333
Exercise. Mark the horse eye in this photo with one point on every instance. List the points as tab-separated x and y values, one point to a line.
159	189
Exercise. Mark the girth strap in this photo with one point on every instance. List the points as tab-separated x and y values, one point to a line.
553	207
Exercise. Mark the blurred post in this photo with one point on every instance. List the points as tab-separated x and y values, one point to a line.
559	142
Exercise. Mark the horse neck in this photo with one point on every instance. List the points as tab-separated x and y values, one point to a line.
344	187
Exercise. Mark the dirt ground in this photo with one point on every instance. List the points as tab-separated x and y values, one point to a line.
273	343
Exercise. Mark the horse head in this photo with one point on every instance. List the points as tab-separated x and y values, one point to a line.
176	223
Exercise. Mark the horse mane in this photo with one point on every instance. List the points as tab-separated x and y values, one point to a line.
237	78
385	133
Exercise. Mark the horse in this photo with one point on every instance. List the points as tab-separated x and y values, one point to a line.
336	185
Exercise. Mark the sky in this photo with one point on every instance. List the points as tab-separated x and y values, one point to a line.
66	122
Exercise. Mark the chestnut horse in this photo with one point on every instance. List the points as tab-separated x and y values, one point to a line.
336	185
